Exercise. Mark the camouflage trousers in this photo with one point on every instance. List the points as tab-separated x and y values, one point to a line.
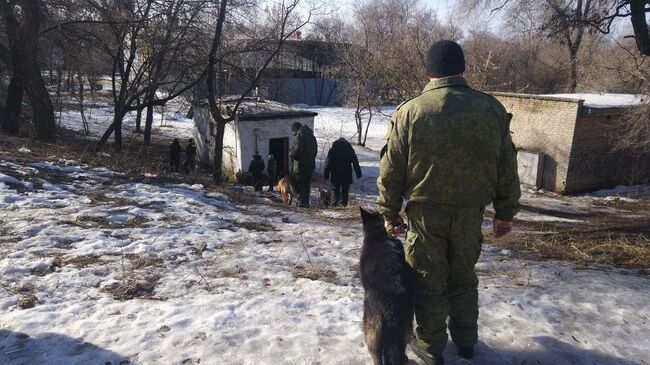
443	245
304	187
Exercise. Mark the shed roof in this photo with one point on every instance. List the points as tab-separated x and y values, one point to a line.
252	109
605	100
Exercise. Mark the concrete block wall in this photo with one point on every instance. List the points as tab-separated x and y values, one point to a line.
544	125
594	162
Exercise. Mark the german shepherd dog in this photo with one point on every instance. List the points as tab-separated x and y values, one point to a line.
388	301
287	188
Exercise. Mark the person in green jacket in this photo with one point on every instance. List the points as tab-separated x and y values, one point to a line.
303	153
448	153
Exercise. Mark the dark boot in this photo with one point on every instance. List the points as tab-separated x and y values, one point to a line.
427	358
466	352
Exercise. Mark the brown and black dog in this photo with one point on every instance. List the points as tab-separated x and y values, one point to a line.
324	198
287	189
388	293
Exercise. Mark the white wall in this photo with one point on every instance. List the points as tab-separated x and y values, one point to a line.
264	130
239	139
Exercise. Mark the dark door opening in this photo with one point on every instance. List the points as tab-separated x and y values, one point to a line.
279	148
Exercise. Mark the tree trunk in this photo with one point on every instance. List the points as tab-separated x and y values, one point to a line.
640	26
149	121
24	41
218	153
138	117
116	127
212	102
573	75
42	108
11	115
365	134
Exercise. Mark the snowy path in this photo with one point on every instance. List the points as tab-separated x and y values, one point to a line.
217	282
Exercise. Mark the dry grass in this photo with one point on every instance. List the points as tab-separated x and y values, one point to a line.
254	226
141	262
46	270
132	289
631	251
83	261
27	301
237	272
314	273
134	160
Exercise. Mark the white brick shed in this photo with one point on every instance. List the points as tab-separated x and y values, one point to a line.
263	126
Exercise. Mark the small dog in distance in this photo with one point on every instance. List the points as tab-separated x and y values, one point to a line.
287	189
324	198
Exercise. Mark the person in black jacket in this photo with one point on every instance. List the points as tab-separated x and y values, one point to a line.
272	171
175	155
341	158
256	168
190	153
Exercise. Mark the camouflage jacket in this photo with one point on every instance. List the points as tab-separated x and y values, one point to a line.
451	145
304	151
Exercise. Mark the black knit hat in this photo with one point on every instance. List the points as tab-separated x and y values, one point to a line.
445	58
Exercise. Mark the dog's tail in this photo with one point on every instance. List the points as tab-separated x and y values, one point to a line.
392	344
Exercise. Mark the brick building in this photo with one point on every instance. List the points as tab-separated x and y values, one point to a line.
573	135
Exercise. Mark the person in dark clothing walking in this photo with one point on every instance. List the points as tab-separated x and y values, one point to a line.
341	158
175	155
256	168
190	159
303	154
272	171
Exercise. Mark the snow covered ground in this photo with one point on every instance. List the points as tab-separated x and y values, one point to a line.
142	272
168	122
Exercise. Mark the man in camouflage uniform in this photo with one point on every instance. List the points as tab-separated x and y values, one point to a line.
303	153
448	154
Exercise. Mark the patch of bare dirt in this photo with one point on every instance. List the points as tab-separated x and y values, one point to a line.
134	289
314	273
237	272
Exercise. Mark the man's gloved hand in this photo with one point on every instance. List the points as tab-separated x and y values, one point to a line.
501	228
395	227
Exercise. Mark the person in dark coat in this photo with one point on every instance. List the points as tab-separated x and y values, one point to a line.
256	168
175	155
341	158
272	171
303	154
190	153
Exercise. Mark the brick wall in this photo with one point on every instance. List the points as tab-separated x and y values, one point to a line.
594	164
546	125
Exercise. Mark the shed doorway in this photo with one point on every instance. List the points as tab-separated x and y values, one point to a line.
279	148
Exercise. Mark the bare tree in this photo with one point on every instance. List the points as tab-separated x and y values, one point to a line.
148	44
385	61
21	21
564	20
284	22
